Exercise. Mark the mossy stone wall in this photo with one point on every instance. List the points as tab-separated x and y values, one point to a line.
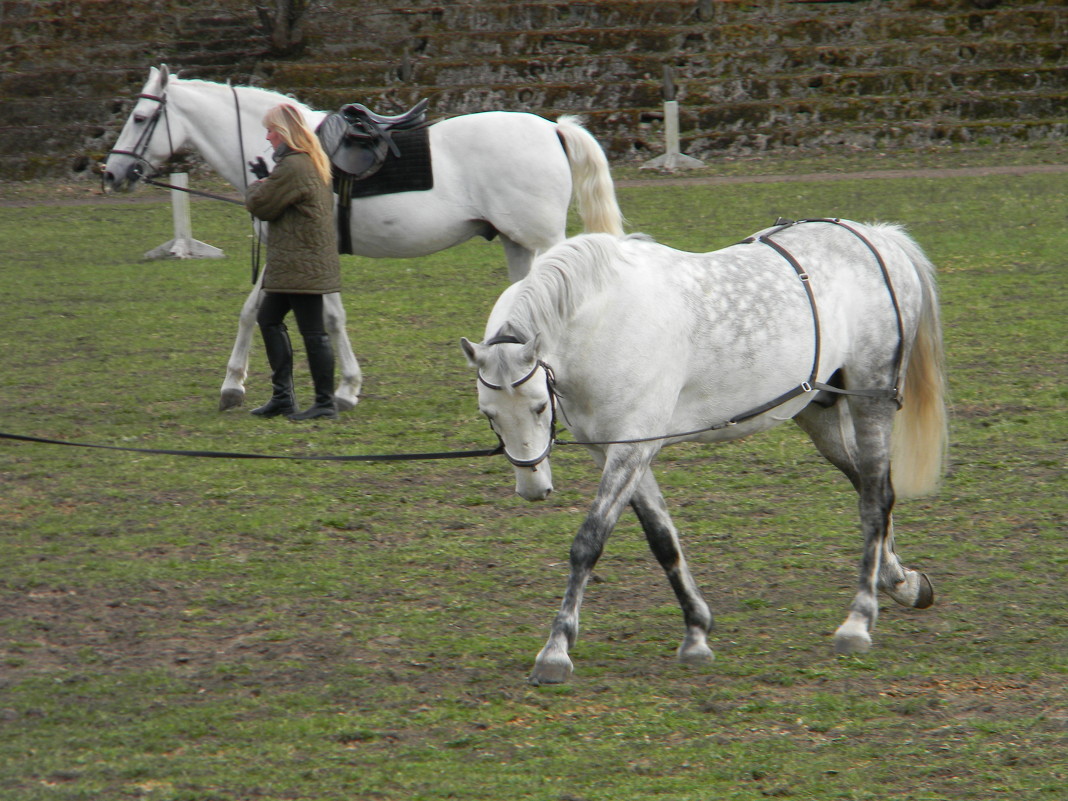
750	76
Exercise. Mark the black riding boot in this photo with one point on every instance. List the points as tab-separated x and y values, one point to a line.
280	357
321	364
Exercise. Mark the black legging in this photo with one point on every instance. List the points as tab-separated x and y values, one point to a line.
307	309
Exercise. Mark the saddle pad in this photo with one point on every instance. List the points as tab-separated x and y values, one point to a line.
412	172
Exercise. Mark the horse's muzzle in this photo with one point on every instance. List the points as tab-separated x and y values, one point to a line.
534	484
117	181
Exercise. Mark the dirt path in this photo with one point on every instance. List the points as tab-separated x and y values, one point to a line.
936	172
68	194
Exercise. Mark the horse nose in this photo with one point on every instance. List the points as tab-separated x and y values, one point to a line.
540	495
529	492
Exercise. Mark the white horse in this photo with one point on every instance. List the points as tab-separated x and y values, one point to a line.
634	345
503	174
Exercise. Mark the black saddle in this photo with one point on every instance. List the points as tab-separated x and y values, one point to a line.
358	140
366	150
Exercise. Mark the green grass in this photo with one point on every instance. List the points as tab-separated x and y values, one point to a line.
195	630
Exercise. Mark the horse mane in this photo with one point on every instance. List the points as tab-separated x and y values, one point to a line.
220	87
562	278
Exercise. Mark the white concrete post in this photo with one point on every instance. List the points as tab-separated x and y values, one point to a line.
183	246
672	158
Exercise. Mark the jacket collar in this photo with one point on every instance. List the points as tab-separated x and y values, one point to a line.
282	151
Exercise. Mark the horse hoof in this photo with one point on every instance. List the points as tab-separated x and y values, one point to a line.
345	404
231	399
695	654
926	595
851	641
915	591
551	672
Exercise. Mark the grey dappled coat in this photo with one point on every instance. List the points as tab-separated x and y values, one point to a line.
302	255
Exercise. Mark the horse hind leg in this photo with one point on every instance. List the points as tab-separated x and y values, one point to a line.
648	504
855	437
907	587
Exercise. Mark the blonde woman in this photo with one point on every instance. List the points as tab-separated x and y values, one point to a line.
297	203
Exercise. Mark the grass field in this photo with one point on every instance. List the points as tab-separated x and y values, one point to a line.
217	630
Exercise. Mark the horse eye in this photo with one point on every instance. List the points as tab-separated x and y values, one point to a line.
139	119
541	409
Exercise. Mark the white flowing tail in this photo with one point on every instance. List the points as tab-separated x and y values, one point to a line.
920	435
594	190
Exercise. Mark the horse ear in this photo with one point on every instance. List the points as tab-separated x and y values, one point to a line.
164	75
531	348
470	351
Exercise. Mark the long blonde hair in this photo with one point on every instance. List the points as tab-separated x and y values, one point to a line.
286	119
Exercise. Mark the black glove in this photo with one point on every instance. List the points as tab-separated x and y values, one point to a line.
259	168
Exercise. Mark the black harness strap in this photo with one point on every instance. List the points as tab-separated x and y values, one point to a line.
807	385
893	393
899	353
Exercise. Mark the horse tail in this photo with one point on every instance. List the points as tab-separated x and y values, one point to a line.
920	437
594	190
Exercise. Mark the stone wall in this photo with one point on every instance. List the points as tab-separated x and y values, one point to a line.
750	76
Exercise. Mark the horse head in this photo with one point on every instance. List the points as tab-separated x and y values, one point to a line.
515	393
143	142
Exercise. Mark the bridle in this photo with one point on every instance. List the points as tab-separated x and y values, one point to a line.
550	383
138	172
137	169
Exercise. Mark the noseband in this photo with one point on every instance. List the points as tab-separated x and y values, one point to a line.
137	169
550	383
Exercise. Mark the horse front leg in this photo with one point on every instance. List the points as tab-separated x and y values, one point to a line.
648	504
618	481
232	394
347	392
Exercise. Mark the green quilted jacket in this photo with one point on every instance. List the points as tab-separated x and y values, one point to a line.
302	255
